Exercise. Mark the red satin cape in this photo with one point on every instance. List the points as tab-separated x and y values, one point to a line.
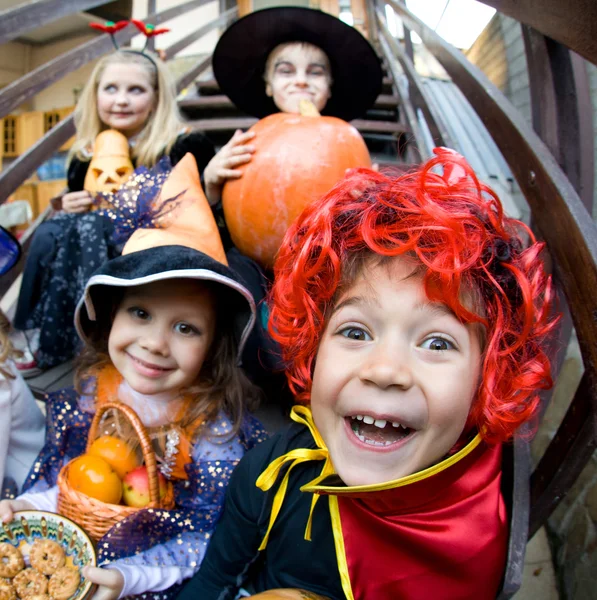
443	537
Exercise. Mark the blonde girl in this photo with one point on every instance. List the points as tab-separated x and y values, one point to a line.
133	93
152	142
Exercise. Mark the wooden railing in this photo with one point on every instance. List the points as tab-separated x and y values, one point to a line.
552	161
23	18
570	23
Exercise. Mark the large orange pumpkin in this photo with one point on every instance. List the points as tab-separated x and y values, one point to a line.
297	160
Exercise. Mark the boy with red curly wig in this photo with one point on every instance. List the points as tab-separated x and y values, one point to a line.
414	318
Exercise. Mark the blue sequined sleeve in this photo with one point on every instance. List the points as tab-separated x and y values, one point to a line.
67	426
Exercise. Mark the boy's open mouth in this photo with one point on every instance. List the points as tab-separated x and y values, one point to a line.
378	432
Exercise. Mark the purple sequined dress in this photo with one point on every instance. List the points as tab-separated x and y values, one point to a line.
150	537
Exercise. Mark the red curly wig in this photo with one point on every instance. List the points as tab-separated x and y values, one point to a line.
455	227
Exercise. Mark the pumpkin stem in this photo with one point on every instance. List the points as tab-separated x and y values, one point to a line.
307	108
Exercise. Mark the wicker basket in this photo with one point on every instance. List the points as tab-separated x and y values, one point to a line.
95	516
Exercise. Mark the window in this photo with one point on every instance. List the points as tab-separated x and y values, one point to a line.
9	135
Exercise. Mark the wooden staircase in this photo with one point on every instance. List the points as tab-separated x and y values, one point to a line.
549	161
386	136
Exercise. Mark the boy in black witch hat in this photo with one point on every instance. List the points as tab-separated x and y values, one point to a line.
271	59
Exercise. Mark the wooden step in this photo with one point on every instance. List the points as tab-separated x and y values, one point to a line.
210	87
220	101
233	123
53	379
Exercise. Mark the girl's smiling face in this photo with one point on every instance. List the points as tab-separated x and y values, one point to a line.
394	378
125	97
161	335
297	71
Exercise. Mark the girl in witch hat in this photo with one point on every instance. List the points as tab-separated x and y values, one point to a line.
271	59
164	326
415	318
130	92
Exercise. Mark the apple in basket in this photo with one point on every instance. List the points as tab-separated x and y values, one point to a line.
135	487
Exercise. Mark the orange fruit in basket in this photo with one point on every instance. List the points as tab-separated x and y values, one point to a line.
94	477
117	453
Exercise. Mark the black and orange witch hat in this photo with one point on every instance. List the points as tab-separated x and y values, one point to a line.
186	244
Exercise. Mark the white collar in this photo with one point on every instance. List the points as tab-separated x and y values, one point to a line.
153	410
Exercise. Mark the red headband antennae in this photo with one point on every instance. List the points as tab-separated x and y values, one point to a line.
148	30
112	28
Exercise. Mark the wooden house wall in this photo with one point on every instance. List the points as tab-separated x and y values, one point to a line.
499	53
592	71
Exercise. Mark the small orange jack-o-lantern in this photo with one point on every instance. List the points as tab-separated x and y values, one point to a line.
111	165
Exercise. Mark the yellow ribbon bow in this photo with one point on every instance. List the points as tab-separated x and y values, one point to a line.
299	414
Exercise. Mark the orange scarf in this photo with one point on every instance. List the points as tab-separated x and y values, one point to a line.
109	380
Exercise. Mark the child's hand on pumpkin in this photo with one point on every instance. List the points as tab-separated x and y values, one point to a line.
76	202
8	507
222	166
109	581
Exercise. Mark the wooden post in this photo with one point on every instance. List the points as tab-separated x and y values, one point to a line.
330	6
151	9
359	14
29	130
244	7
1	142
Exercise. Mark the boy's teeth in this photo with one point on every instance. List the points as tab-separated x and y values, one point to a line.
372	442
381	423
378	432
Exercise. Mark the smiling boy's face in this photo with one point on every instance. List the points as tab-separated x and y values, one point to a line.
394	379
297	71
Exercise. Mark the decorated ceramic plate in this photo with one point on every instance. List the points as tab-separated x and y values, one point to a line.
30	525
